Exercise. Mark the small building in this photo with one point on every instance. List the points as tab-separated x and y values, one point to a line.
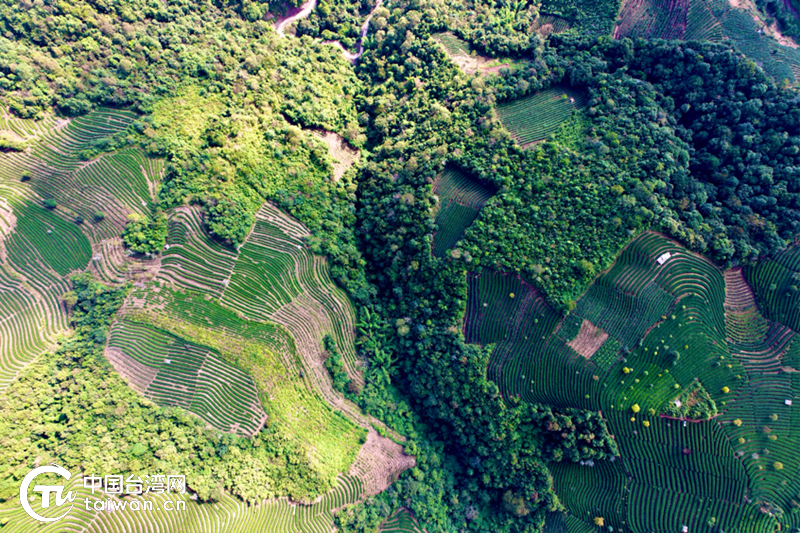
663	258
787	402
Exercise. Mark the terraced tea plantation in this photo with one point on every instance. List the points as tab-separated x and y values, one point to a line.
228	515
655	19
533	118
232	336
236	337
461	198
401	521
711	20
452	44
549	24
60	215
173	371
696	384
775	281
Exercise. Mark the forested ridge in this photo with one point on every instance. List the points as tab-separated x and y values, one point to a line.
689	139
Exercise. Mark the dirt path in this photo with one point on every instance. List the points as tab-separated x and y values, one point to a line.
308	7
305	10
364	30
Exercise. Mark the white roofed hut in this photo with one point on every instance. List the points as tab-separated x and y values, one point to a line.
663	258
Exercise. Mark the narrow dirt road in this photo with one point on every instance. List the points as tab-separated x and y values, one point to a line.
308	7
305	10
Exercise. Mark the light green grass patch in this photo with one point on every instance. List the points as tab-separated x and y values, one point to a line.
185	116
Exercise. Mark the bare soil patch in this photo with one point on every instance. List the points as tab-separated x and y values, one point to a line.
472	64
379	463
545	30
343	155
590	338
7	224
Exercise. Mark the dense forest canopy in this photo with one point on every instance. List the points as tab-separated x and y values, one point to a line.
689	139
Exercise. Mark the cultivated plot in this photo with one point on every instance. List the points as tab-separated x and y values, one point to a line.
532	118
461	198
695	382
62	213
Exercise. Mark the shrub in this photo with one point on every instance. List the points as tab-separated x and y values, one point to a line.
777	465
335	366
50	203
145	236
26	176
70	298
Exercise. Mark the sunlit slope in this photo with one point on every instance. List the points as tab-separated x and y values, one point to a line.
61	214
263	310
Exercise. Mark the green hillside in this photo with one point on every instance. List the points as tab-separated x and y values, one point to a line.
402	266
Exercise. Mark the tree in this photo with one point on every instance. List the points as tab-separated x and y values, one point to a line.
144	235
515	504
70	298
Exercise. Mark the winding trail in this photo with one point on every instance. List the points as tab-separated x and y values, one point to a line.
308	7
305	10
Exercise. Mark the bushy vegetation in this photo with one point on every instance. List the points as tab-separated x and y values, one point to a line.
225	101
785	14
363	518
70	407
335	366
507	28
340	21
145	235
